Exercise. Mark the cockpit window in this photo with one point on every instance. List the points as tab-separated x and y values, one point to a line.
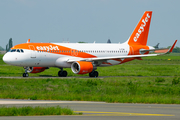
18	50
22	50
13	50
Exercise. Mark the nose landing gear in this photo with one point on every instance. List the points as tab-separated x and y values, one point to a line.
25	74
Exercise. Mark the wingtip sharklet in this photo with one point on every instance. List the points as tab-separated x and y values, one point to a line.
172	47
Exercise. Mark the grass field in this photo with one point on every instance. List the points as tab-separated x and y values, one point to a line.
31	111
116	89
151	80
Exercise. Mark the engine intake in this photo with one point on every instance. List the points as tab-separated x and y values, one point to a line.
82	67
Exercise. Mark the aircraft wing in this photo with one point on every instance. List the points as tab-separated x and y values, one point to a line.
110	58
121	57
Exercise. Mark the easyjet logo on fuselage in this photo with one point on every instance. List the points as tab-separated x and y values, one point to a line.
50	47
141	29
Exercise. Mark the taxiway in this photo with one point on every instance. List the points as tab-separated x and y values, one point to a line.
99	110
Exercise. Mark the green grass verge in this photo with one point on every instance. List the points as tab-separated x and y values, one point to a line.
30	111
117	89
135	89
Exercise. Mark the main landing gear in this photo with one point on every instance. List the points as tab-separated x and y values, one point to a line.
26	74
93	74
62	73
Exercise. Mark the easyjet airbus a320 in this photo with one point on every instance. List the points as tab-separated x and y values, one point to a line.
82	58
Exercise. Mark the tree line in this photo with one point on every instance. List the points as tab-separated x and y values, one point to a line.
8	46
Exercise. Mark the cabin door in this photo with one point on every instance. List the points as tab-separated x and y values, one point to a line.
33	52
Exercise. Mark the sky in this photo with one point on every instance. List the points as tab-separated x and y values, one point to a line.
87	20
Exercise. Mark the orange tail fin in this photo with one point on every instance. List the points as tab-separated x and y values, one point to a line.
28	41
140	33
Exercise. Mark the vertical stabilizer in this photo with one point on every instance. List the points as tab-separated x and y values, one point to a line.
140	33
28	41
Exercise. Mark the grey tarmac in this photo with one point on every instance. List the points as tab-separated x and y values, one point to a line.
99	110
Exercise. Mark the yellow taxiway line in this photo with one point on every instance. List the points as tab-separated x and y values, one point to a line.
97	113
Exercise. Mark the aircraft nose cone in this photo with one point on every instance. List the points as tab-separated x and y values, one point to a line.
6	58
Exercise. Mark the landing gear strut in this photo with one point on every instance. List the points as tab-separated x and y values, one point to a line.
62	73
93	74
25	74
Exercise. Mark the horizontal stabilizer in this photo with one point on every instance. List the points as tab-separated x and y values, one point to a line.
163	50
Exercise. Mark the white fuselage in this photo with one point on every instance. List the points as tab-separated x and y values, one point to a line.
48	58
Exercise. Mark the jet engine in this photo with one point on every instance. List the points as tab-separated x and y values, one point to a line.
36	69
81	67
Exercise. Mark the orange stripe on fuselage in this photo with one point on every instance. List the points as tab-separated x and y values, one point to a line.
53	48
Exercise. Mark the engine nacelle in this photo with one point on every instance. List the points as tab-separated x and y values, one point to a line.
82	67
35	69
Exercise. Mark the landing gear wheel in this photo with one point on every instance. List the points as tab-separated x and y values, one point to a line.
93	74
96	73
25	74
62	73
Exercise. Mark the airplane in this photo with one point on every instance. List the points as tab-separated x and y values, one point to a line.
83	58
157	46
109	41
